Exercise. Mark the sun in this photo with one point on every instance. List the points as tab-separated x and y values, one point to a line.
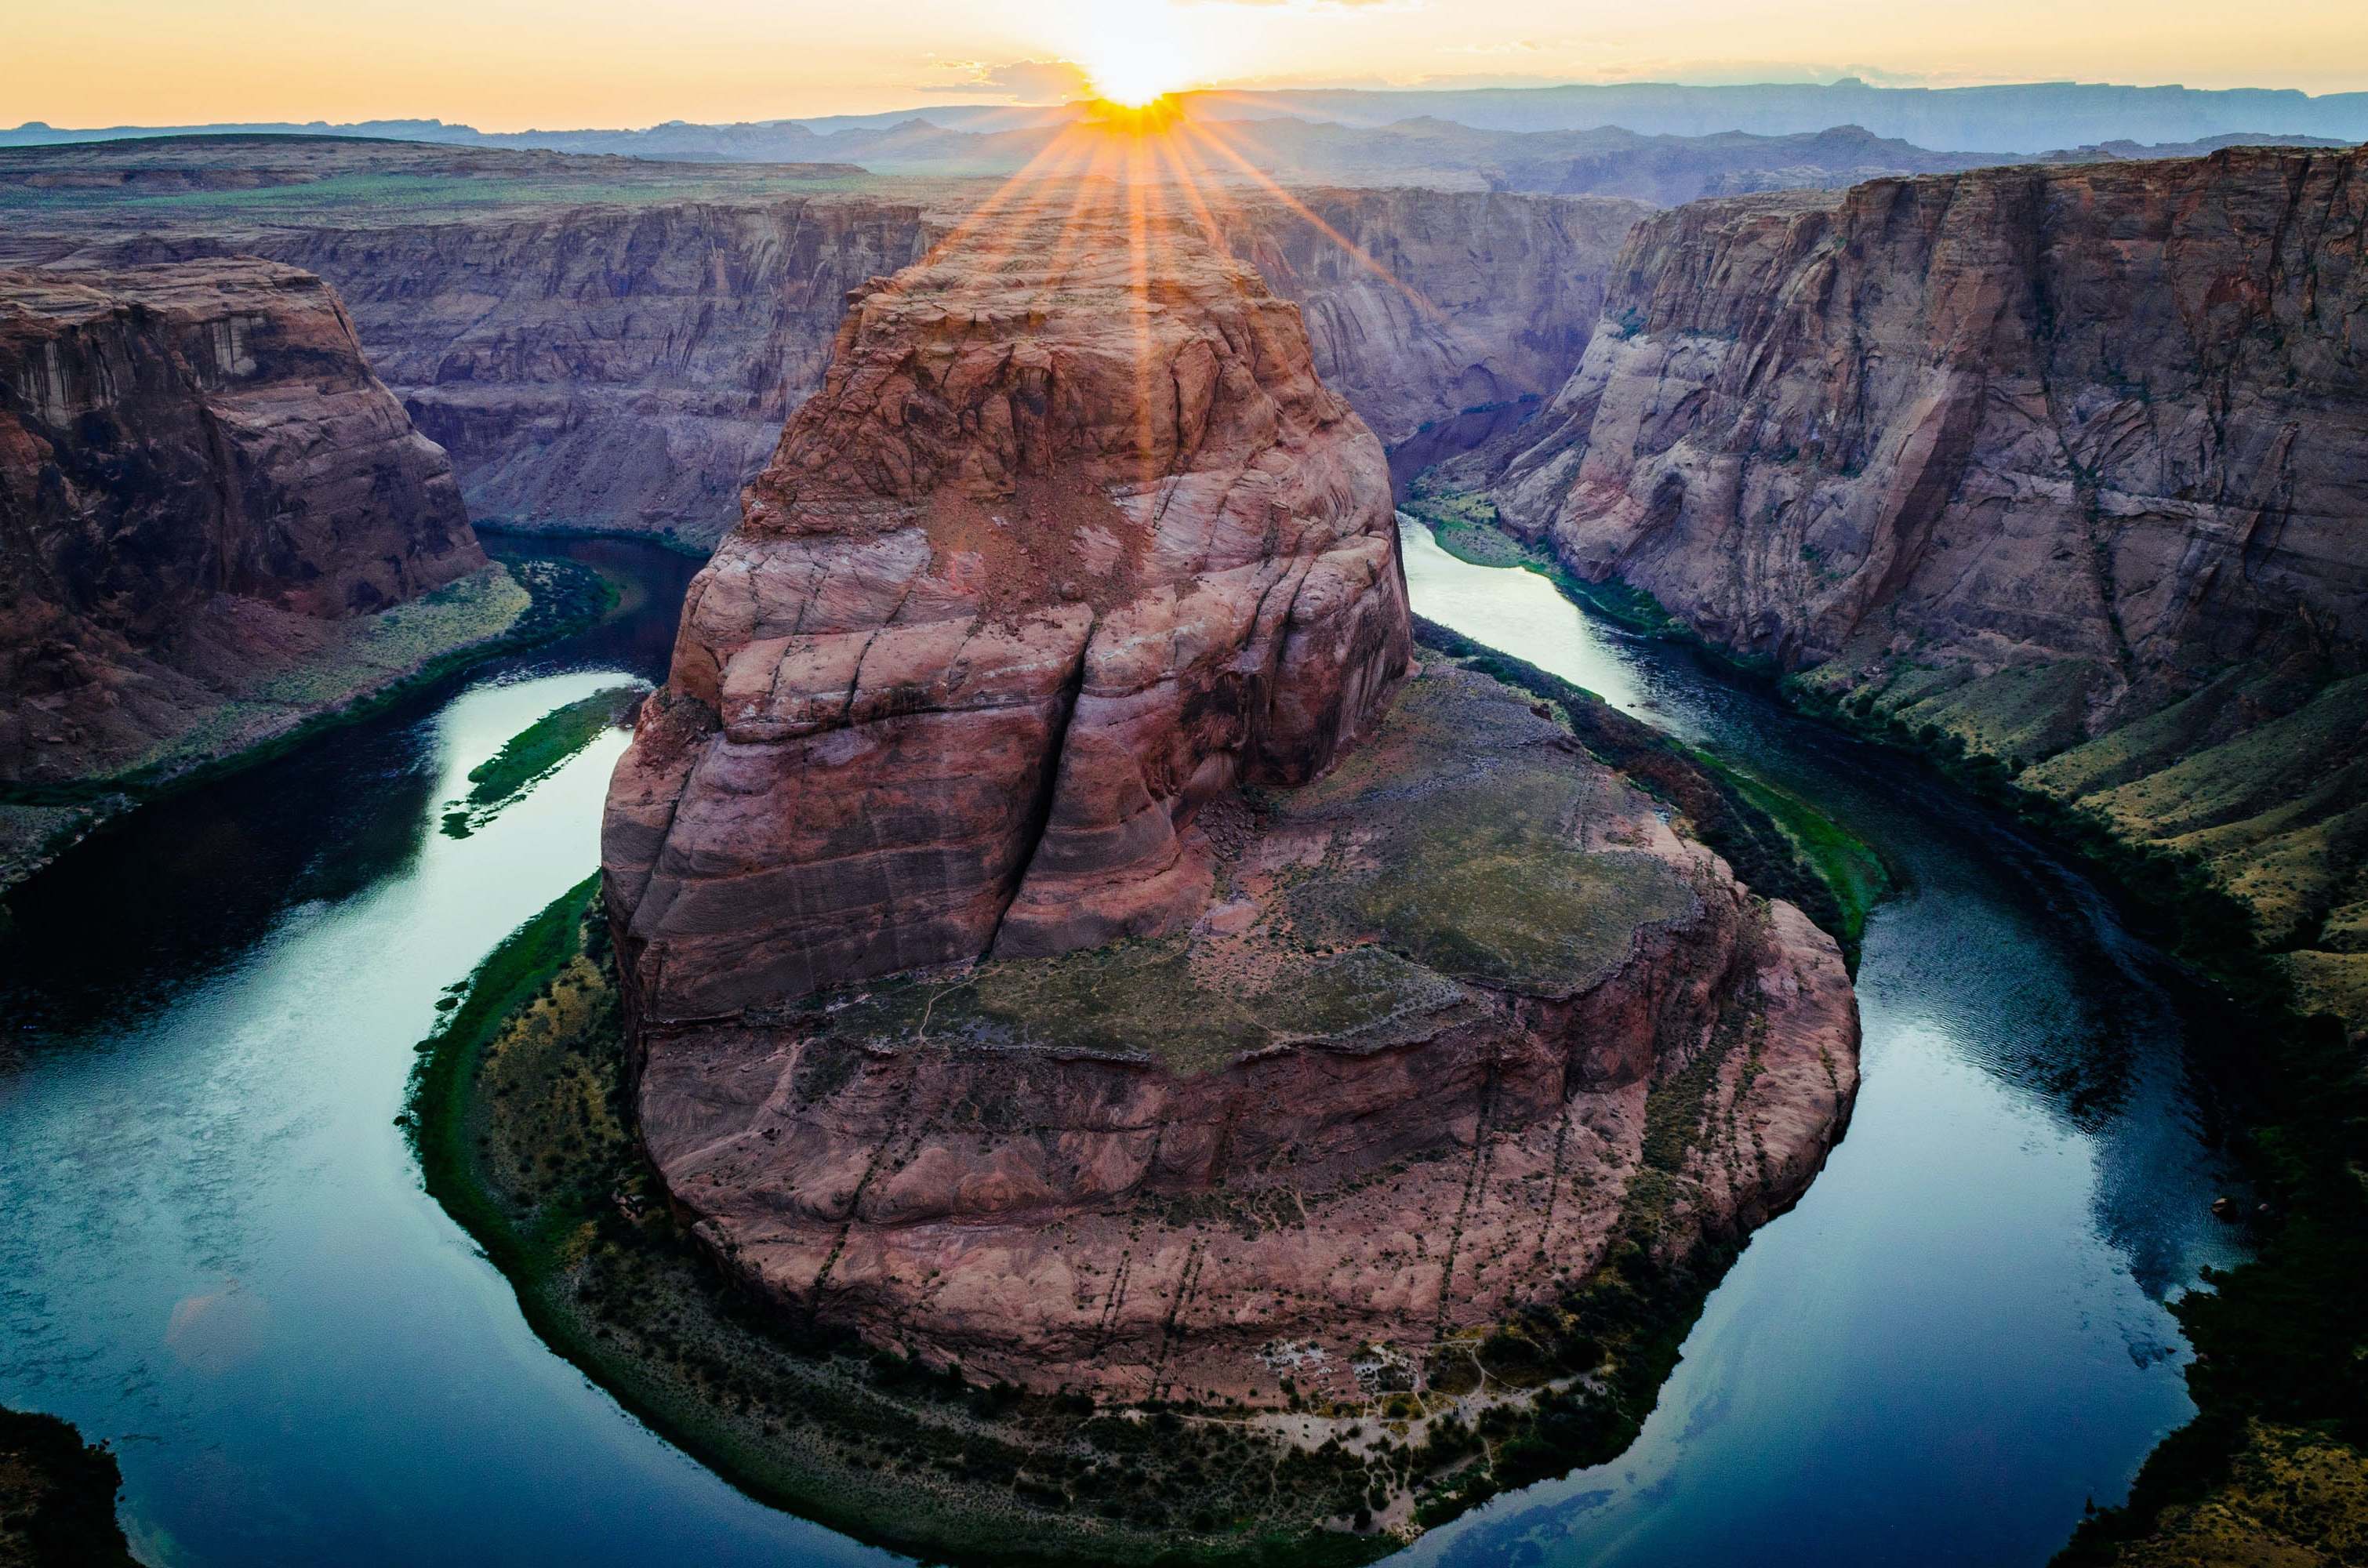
1131	83
1135	55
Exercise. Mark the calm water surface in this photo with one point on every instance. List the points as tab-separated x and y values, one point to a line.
216	1254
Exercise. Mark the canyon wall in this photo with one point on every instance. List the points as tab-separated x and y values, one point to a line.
210	512
2065	466
630	367
610	367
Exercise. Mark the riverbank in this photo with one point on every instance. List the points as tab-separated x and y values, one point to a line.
376	661
57	1498
519	1118
2282	1360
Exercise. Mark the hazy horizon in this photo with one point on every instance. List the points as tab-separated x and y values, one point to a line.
539	65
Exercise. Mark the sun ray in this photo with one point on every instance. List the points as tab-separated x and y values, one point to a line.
1091	203
1071	142
1208	136
1139	258
1172	154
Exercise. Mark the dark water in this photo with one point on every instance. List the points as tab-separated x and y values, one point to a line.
214	1253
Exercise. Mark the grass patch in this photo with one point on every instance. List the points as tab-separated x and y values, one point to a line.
1780	845
1846	864
1442	860
537	751
405	650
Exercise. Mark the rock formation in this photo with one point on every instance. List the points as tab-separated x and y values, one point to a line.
1047	564
203	490
1059	939
2027	456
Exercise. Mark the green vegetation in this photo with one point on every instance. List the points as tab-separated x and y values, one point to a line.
1777	843
535	752
57	1498
1848	866
519	1118
387	657
1468	527
1434	857
382	659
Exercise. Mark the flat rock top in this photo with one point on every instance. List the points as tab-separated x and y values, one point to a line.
191	291
1467	845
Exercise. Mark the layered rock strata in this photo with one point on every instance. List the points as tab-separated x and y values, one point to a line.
2025	456
1058	939
604	343
206	500
1393	1083
1071	542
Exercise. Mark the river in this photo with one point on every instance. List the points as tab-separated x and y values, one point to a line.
217	1257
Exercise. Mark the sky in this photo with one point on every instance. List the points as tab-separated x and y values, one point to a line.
550	64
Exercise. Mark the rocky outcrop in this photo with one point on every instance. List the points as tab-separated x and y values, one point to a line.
206	498
1055	557
1058	940
2023	458
1393	1084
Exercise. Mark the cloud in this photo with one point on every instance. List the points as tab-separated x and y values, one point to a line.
1023	81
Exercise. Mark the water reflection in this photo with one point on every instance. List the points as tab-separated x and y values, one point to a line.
1958	1339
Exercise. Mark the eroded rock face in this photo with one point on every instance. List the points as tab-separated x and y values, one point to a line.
2112	415
1389	1085
2065	469
1058	939
1449	300
1071	542
196	469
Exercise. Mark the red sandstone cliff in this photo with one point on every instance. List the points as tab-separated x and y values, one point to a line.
2066	466
1055	556
2114	413
202	490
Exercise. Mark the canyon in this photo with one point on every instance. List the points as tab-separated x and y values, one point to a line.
215	523
603	343
1072	928
1065	929
2062	468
